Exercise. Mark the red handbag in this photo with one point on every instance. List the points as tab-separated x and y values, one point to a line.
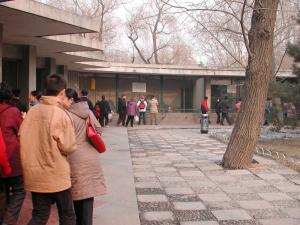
94	137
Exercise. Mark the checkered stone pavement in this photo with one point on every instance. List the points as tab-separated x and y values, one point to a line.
179	181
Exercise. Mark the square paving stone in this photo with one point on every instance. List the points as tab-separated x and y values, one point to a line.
184	165
279	222
199	223
254	183
238	172
152	198
237	190
276	196
191	173
150	191
286	204
179	191
168	184
212	167
222	205
231	214
170	179
271	176
189	206
202	183
266	213
221	197
144	174
245	196
292	212
255	204
222	178
164	169
193	215
288	188
147	185
158	216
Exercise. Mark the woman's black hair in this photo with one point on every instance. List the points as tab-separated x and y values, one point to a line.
5	93
71	93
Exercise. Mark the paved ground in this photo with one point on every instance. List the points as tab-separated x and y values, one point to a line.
173	178
178	181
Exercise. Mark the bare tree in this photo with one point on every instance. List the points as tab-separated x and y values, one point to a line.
153	24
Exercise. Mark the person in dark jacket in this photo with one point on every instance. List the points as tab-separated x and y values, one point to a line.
131	111
225	111
12	184
218	110
84	98
18	103
105	110
122	110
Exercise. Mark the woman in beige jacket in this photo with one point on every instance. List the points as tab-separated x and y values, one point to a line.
86	173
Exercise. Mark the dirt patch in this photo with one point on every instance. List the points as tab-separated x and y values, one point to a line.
290	147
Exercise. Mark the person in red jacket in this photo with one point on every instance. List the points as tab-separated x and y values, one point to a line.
13	194
204	107
5	168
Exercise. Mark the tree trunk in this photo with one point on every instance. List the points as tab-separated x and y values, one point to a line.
246	131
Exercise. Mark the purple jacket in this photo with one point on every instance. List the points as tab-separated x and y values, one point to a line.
131	108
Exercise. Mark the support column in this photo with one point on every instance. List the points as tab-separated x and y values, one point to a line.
208	91
117	85
198	94
51	66
28	78
63	70
161	99
1	50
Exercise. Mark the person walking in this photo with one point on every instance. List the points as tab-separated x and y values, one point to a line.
11	179
122	110
225	111
153	108
85	98
86	172
131	111
34	98
218	110
268	111
238	105
47	137
105	110
142	108
204	106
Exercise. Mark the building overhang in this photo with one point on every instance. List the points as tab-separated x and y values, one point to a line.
171	70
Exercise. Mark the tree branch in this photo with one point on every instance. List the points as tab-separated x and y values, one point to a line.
243	30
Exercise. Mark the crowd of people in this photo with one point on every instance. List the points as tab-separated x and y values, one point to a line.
222	109
129	111
45	150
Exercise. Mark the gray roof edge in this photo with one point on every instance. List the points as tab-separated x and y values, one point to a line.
50	12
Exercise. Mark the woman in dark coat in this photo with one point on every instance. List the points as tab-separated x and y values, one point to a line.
12	188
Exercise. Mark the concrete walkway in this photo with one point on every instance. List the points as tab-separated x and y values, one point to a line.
179	181
171	176
119	205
